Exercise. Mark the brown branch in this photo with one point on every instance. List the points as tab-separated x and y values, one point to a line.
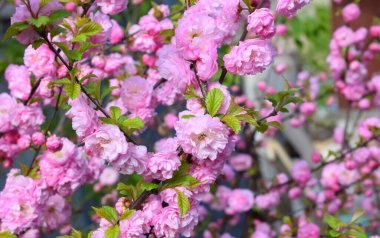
33	91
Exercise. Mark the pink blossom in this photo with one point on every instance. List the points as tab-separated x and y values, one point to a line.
308	230
107	142
163	164
250	57
105	23
117	33
239	200
301	172
41	62
308	108
366	126
83	116
202	136
170	120
57	212
289	7
136	93
343	36
7	107
261	23
189	40
351	12
38	138
112	7
268	200
134	161
18	78
241	162
108	176
54	143
135	226
28	118
150	25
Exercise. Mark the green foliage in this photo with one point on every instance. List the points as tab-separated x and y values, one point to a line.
15	28
183	202
72	90
7	234
181	178
342	229
74	234
127	214
232	122
214	100
112	231
108	213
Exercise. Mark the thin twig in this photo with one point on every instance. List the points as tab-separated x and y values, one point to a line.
33	91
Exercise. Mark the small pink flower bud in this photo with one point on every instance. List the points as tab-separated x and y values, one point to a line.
262	86
374	31
316	157
70	6
54	143
38	138
294	193
23	142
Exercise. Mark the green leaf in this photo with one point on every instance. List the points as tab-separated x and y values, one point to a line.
127	214
24	169
107	91
107	120
214	100
186	181
87	77
356	234
149	186
36	44
115	112
40	21
248	4
275	124
183	202
187	116
61	81
232	122
72	90
89	29
15	28
128	190
357	215
106	212
234	109
135	123
247	118
7	234
191	93
57	15
76	233
334	233
331	221
112	232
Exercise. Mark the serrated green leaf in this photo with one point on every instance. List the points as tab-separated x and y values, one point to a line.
61	81
75	233
232	122
115	112
89	29
128	190
275	124
127	214
24	169
106	212
191	93
112	232
72	90
7	234
234	109
357	215
183	202
57	15
135	123
247	118
331	221
36	44
214	100
40	21
87	77
187	116
15	28
148	186
334	233
107	120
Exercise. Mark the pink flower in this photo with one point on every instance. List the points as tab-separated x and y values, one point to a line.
136	93
83	116
192	32
308	230
54	143
351	12
261	23
268	200
135	226
289	7
162	165
107	142
64	170
112	7
108	176
7	107
20	203
343	36
18	78
202	136
250	57
134	161
241	162
176	71
170	120
28	119
150	25
41	62
117	32
308	108
367	126
57	212
167	223
301	172
105	23
38	138
239	200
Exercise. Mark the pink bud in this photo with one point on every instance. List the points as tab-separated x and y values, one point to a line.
271	90
351	12
149	60
330	101
262	86
374	31
117	33
323	76
280	68
98	62
240	100
281	29
38	138
364	103
97	187
170	120
250	104
54	143
23	142
115	83
70	6
235	88
7	163
294	193
316	157
350	164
